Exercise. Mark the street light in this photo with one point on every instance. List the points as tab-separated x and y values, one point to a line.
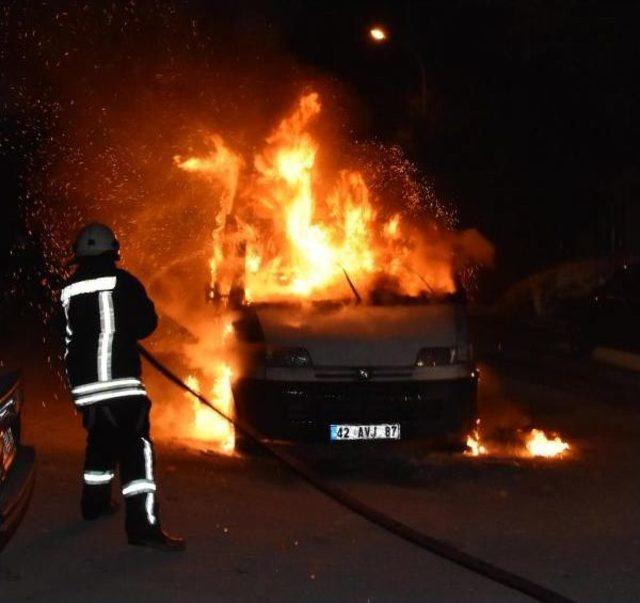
378	34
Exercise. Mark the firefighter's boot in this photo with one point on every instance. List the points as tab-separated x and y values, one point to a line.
159	540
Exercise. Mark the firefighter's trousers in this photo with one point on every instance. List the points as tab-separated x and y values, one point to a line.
118	437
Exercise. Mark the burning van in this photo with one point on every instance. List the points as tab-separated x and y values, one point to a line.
349	320
394	369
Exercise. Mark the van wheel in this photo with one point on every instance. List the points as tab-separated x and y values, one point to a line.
247	446
244	444
580	343
454	443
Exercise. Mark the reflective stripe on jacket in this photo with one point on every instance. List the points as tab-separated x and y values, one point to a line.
107	311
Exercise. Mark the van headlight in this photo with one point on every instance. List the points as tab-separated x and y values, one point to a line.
288	357
444	356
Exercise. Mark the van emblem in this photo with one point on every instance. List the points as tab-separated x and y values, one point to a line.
364	374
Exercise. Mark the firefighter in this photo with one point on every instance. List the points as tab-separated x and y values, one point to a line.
107	311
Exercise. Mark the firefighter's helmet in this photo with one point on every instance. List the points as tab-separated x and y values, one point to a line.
95	239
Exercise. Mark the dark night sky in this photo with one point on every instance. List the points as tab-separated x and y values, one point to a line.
532	111
531	107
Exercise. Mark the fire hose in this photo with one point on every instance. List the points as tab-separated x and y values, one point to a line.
395	527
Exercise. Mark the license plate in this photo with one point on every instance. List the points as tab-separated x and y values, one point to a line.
384	431
8	448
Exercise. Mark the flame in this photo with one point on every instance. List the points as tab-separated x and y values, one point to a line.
474	444
539	444
535	443
286	229
221	167
208	425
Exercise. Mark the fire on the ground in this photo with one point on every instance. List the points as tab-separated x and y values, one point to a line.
532	443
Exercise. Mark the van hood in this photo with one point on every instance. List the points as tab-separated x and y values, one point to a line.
361	335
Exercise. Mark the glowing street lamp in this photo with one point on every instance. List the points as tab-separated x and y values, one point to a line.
378	34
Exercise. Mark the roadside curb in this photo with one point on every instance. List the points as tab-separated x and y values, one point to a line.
618	358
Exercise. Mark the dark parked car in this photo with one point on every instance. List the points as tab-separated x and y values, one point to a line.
610	316
17	462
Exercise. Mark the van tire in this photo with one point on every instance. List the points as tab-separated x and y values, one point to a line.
247	446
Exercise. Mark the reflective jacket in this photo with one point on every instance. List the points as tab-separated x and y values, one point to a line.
107	311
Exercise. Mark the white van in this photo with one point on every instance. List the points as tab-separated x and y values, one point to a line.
340	371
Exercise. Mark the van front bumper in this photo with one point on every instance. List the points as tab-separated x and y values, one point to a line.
299	410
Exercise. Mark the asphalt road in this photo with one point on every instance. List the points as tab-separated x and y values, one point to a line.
256	533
